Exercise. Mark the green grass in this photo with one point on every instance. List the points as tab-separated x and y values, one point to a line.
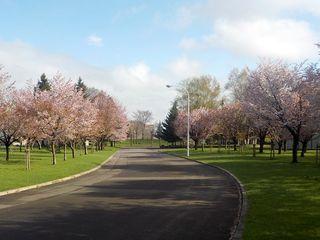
14	175
142	143
284	198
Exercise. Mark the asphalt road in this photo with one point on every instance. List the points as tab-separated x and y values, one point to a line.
139	195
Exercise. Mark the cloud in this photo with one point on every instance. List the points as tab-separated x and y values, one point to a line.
243	10
256	28
95	40
188	43
135	86
284	38
183	68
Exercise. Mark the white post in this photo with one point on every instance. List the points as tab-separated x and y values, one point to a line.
188	128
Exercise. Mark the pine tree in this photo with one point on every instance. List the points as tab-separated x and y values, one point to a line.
43	84
168	130
159	131
80	85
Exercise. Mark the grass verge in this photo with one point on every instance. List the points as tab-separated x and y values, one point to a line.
283	198
13	173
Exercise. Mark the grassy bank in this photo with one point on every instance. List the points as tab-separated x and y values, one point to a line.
14	175
284	198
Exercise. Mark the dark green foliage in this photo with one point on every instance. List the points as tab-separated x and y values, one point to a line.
43	84
168	130
80	86
158	133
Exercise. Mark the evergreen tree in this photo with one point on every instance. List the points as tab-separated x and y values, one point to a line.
43	84
159	131
81	86
168	130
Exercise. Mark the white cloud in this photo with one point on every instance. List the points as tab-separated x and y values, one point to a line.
243	10
95	40
135	86
183	68
188	44
184	17
288	39
256	28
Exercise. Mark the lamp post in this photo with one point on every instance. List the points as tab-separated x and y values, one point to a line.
188	120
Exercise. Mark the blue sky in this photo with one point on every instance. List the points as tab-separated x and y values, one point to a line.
132	49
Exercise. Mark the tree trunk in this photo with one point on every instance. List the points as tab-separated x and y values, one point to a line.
85	148
39	145
73	153
234	144
304	148
73	150
262	139
20	145
53	149
285	145
92	146
280	146
65	152
272	150
7	151
295	147
196	144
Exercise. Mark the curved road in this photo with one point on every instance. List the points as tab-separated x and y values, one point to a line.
139	194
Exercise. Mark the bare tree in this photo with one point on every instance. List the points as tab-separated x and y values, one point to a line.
142	117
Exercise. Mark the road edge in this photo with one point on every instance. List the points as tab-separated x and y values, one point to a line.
237	230
60	180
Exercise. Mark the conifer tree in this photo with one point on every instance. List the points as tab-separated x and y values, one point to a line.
168	131
159	131
43	84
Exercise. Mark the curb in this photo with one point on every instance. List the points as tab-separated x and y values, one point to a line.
60	180
237	230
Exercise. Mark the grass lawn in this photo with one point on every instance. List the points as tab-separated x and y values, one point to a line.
142	143
284	198
14	175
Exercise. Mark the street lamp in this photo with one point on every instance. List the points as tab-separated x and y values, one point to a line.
188	116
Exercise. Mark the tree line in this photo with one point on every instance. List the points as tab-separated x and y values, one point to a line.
58	112
274	100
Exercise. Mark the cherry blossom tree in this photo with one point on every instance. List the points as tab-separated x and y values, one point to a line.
201	125
10	120
285	94
29	131
259	127
83	124
57	111
231	122
111	120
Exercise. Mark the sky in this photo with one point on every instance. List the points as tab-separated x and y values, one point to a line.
133	49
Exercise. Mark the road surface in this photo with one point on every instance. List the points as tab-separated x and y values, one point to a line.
138	195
